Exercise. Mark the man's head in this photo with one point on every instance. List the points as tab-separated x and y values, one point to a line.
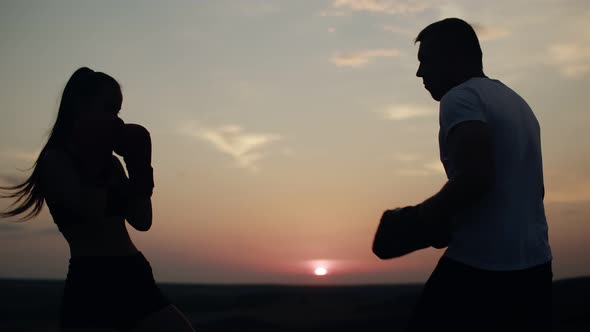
449	54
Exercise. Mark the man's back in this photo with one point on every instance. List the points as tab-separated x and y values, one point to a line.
507	228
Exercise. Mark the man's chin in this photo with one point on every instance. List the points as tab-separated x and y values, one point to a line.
435	96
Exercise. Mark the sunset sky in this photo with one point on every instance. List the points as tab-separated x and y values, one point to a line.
282	129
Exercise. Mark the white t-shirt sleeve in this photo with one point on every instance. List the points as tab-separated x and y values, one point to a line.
460	105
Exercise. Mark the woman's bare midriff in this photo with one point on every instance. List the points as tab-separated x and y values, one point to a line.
107	238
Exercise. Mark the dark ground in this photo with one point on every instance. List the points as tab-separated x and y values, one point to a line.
32	305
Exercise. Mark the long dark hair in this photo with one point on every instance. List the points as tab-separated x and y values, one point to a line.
85	86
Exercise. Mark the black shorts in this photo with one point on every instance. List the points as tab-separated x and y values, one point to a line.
109	292
458	297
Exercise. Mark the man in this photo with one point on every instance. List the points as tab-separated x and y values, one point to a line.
495	274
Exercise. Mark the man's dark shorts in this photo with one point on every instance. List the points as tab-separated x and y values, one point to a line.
458	297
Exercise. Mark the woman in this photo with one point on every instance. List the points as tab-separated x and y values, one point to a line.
109	285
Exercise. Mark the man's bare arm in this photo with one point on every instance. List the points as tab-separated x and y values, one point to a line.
471	150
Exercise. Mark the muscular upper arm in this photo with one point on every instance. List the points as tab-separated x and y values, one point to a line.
470	145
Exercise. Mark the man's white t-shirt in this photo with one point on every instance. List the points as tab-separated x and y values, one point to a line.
507	229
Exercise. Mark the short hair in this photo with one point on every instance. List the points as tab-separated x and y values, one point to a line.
454	36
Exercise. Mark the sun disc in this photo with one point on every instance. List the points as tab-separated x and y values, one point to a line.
320	271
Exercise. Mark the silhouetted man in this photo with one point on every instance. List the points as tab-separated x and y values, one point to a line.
495	274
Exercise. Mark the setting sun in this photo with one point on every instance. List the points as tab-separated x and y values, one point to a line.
320	271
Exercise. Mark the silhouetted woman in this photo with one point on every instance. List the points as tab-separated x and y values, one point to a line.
109	283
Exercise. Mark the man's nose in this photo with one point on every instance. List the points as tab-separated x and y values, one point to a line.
419	71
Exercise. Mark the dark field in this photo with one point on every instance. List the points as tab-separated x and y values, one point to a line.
32	305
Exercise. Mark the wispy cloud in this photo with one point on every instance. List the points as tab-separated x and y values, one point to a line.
572	59
362	58
246	148
405	111
490	33
392	7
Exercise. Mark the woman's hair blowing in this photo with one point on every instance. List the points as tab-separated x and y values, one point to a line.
84	87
